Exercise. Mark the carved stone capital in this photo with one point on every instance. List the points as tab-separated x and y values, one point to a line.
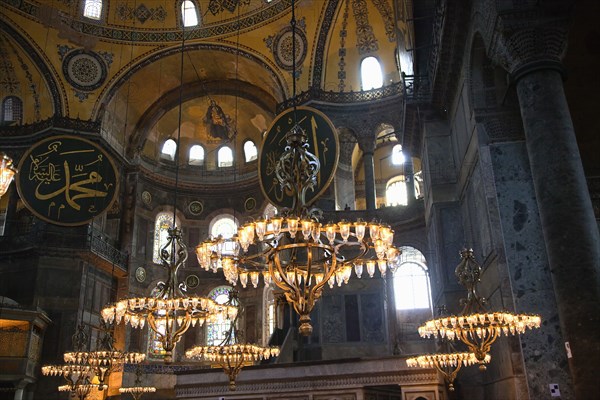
366	143
530	41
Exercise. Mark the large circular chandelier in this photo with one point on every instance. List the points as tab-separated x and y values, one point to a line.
137	390
477	327
231	355
83	390
169	312
295	251
448	364
84	370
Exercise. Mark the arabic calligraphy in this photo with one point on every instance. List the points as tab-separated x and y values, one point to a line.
69	180
322	140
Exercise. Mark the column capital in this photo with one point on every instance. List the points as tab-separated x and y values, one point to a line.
530	47
366	143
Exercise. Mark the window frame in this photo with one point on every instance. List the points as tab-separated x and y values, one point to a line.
403	196
363	75
85	4
414	258
196	162
15	103
158	240
168	156
398	160
253	157
181	13
219	162
224	323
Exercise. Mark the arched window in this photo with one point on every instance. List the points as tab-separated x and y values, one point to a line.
225	157
370	73
92	9
155	348
397	155
269	311
250	151
189	14
168	149
196	155
216	332
395	192
12	110
163	221
225	226
411	281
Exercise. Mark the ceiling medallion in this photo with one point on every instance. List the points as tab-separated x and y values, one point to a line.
250	204
196	207
147	198
140	274
84	70
281	45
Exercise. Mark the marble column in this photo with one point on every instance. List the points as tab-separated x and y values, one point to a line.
366	143
567	218
409	179
369	180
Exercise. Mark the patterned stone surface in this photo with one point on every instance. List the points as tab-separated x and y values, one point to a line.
527	264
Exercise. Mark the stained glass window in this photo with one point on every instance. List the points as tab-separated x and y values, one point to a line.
163	221
12	109
268	314
155	348
216	332
411	281
224	226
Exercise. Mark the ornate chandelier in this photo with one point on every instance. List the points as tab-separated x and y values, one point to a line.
83	390
448	364
169	312
7	173
295	250
84	370
476	327
229	354
137	390
76	370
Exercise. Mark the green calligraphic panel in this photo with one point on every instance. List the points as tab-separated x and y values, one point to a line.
323	143
67	180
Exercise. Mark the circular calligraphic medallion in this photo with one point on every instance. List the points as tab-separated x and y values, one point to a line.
67	180
250	204
196	207
323	143
84	70
192	281
147	198
140	274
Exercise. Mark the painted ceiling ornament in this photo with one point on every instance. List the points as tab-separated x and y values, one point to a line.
142	13
281	46
217	6
366	40
85	70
